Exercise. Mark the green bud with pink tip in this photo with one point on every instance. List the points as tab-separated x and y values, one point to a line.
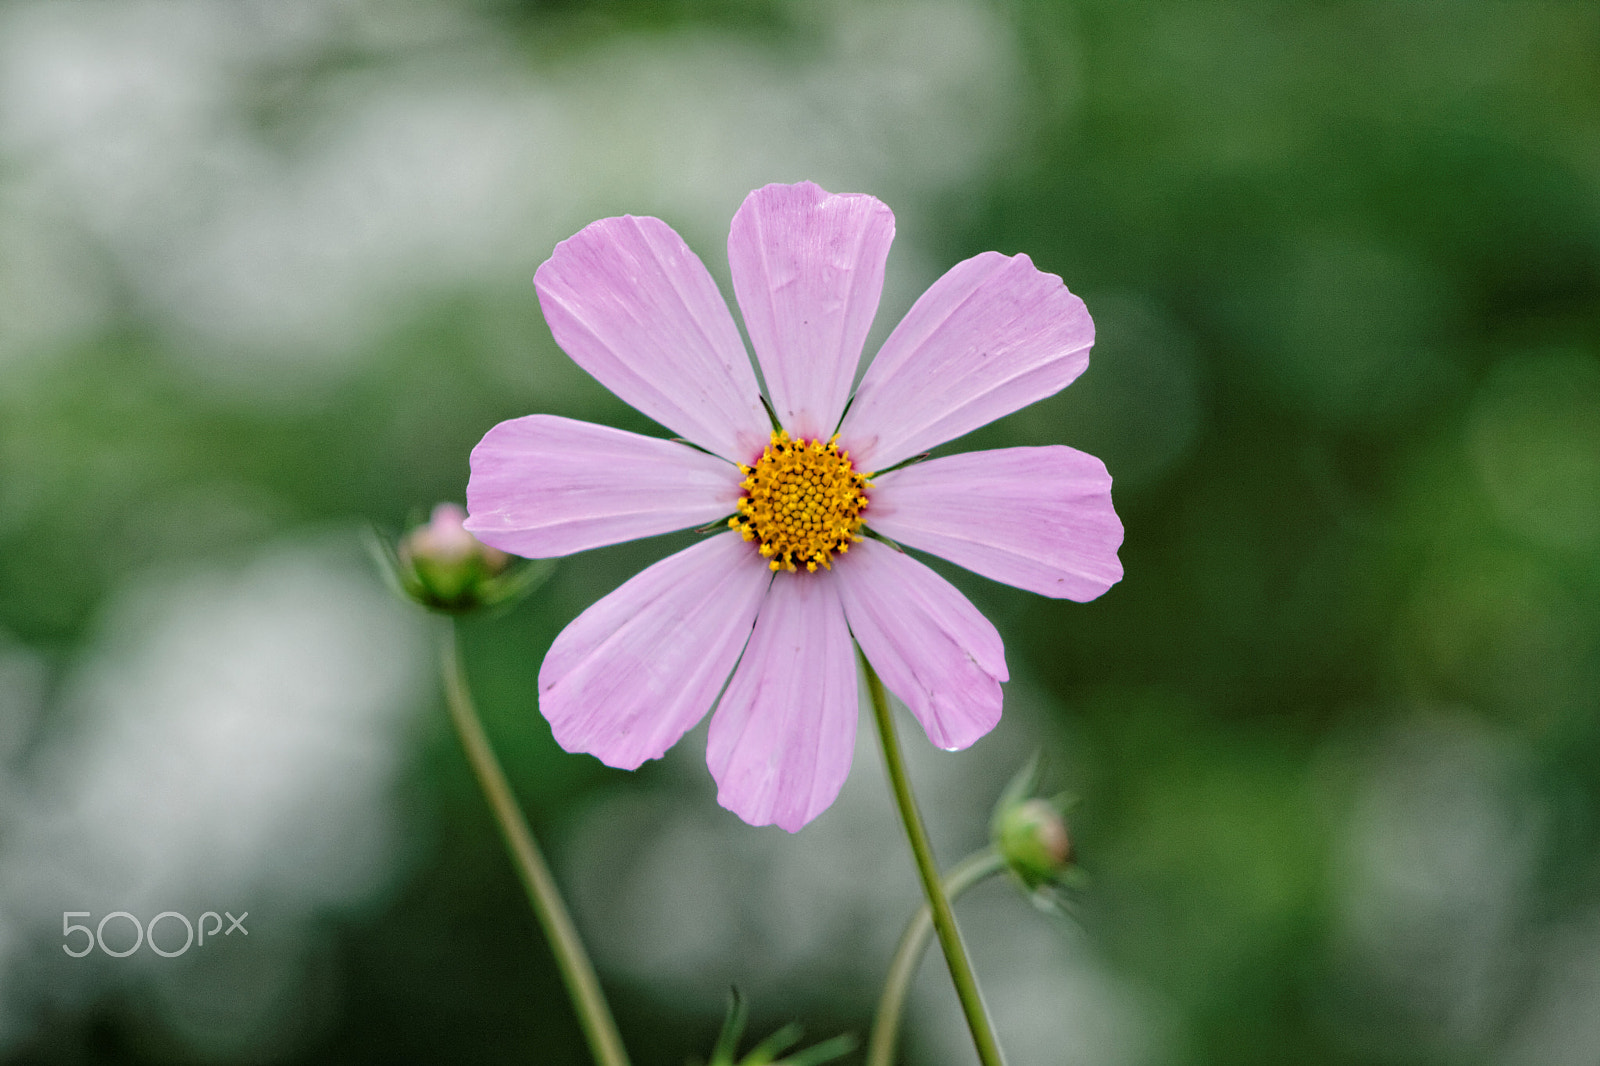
441	566
1030	834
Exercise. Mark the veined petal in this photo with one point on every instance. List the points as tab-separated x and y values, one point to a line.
808	273
992	336
1037	518
928	643
782	737
632	305
636	670
544	486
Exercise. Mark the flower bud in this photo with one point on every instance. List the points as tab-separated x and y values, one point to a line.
1031	835
443	567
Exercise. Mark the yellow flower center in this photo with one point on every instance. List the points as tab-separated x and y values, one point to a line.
802	502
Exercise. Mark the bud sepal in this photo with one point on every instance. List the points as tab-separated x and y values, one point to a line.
768	1052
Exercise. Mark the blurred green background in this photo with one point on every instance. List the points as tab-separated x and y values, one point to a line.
265	279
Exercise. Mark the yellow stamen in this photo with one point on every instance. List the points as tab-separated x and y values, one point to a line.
802	502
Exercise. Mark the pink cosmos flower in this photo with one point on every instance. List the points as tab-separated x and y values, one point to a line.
776	600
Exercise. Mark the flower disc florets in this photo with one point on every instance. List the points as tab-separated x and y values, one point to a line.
802	502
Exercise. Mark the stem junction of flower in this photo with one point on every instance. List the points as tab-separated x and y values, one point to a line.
980	865
944	919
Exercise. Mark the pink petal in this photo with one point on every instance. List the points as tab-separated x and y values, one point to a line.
636	670
1037	518
782	737
808	271
632	305
544	485
928	643
992	336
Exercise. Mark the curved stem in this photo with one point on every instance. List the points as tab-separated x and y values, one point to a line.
576	970
944	920
891	1005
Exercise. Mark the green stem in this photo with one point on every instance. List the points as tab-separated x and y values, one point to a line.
891	1005
576	970
944	920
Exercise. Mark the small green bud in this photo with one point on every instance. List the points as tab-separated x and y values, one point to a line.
444	568
1029	833
1031	836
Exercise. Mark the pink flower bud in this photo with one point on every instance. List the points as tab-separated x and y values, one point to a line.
445	568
